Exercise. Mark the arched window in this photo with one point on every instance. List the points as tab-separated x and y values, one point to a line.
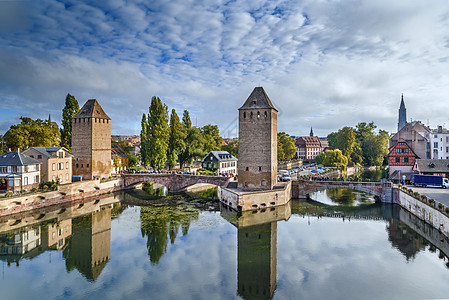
265	114
258	115
244	115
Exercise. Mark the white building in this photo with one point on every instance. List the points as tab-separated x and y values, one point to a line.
439	143
18	172
221	161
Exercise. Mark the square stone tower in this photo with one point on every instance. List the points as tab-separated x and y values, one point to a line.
257	164
91	142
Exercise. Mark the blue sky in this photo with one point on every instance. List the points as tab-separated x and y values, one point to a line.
325	64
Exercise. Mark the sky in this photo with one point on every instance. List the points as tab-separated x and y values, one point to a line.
324	64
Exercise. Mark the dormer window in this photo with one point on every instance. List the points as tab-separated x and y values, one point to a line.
254	102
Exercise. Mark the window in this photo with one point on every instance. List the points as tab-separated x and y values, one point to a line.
265	115
251	115
66	176
61	154
67	165
82	165
447	149
244	115
32	156
398	159
260	169
25	181
435	145
406	159
258	115
36	179
53	167
17	182
39	156
247	168
53	178
87	165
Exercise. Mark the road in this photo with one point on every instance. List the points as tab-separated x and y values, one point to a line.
439	194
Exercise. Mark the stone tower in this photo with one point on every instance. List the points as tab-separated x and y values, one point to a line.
257	164
402	114
91	142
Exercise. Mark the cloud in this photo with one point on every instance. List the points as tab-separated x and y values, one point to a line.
325	64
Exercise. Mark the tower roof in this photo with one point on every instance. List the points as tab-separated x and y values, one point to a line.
402	102
258	99
92	109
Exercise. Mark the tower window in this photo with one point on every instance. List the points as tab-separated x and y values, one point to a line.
265	115
247	168
260	168
244	115
251	115
258	115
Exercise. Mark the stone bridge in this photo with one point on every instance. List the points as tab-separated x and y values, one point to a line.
174	182
301	188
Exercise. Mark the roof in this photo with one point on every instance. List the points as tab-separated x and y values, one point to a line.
15	158
433	165
92	109
309	141
221	156
50	151
258	99
401	140
117	151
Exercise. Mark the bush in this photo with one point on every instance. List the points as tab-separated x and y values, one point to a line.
400	186
440	206
447	210
431	201
423	197
416	194
8	194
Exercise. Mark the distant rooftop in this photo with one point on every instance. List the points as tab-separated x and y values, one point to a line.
15	158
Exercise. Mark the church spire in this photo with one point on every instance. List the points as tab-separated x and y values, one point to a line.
402	114
311	131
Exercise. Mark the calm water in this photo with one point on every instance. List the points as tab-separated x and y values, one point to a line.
105	249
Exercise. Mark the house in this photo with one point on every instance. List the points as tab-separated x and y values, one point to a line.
308	147
439	142
416	135
438	167
221	161
119	158
401	159
56	163
18	172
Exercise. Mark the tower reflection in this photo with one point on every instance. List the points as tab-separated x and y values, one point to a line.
256	249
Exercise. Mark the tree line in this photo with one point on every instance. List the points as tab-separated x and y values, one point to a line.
168	141
360	145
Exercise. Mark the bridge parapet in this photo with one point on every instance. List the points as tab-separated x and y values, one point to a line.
175	182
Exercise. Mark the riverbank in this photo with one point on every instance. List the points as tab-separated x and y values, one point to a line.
63	193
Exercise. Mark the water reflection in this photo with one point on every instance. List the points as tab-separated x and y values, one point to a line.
342	197
159	224
81	230
256	249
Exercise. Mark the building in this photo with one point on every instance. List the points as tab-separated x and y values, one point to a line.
56	163
416	135
439	142
18	172
437	167
91	142
221	161
257	164
120	160
308	147
401	159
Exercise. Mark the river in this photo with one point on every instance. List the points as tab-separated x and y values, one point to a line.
339	244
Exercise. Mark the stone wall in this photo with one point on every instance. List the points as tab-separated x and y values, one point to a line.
64	193
241	200
423	211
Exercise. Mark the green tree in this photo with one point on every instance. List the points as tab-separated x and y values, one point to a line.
176	140
144	141
375	148
70	109
286	146
345	140
157	133
332	158
32	133
232	147
212	139
194	142
332	140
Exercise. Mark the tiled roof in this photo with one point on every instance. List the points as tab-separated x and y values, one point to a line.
309	141
92	109
50	151
14	158
117	151
258	99
433	165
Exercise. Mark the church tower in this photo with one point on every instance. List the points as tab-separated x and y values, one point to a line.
311	131
91	142
402	114
257	164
